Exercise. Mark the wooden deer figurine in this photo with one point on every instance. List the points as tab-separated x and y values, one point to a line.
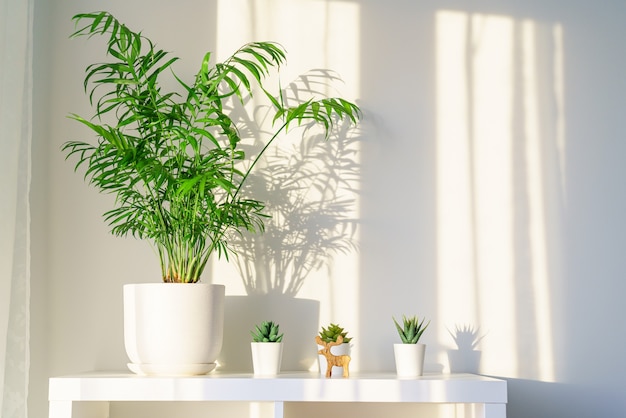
331	359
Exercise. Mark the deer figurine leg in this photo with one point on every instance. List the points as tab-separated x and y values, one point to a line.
345	361
329	368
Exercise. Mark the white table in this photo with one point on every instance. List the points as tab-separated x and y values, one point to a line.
89	394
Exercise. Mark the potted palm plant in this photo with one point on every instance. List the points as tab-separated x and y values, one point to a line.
175	162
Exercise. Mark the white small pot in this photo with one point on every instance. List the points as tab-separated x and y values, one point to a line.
337	350
409	359
173	328
266	358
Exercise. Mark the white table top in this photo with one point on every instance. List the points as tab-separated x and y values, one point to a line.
287	387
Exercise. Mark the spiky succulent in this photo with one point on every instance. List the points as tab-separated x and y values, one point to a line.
267	332
412	329
331	333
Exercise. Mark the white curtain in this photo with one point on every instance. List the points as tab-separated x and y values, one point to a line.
16	17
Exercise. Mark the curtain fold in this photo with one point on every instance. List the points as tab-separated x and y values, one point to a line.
16	33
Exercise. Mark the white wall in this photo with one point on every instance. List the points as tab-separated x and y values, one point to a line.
489	177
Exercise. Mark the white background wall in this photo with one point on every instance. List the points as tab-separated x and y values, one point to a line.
490	190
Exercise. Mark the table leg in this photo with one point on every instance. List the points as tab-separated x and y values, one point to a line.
69	409
494	410
279	409
60	409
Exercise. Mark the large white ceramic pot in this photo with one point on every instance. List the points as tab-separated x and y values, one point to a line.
409	359
173	329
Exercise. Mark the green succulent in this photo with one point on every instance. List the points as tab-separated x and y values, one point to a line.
267	332
412	330
331	333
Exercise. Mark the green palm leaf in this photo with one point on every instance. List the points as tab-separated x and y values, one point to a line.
172	161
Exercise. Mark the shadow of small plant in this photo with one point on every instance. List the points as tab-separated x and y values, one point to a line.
466	337
307	184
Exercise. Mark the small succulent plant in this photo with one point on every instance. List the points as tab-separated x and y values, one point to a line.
412	329
331	333
267	332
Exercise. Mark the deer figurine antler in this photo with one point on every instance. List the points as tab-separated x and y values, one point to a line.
331	359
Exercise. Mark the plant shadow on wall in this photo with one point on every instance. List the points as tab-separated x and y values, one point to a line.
309	199
466	358
307	184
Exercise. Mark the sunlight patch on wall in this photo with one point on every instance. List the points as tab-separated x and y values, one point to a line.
536	203
491	140
491	226
323	59
317	34
456	275
559	98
